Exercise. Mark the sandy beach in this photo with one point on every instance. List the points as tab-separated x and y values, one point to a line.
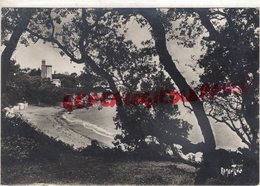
70	128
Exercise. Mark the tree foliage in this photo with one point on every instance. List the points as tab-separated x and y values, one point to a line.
96	37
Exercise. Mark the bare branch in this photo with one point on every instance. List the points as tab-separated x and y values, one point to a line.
55	41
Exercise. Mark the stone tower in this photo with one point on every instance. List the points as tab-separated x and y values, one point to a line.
46	70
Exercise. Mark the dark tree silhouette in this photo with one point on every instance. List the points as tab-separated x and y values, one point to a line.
116	56
80	34
21	19
235	60
159	35
230	60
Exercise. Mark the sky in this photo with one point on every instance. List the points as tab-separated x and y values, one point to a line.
32	56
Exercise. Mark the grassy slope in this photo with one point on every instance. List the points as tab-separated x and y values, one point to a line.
28	156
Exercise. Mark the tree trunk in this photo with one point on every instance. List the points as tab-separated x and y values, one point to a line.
159	36
249	101
26	15
251	109
166	60
101	72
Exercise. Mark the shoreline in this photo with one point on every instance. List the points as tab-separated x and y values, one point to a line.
54	122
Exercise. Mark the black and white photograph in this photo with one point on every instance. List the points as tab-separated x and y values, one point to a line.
129	95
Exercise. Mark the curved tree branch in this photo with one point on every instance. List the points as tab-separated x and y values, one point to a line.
159	34
25	18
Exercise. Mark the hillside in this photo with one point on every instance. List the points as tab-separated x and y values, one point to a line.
29	156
